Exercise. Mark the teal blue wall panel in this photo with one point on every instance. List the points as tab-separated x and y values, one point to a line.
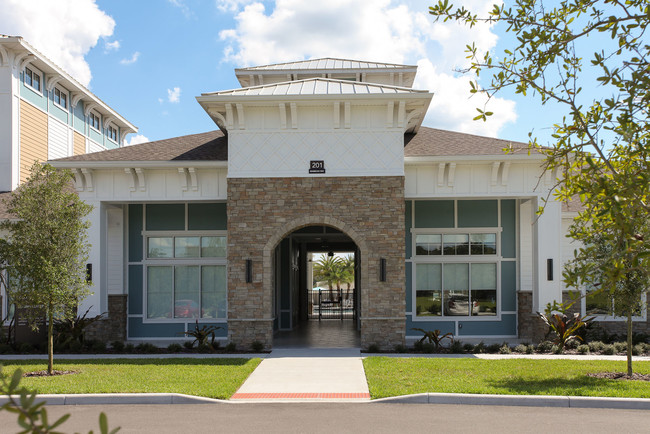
110	144
443	326
408	220
96	136
135	233
478	213
135	289
221	332
506	327
78	121
165	217
509	286
58	112
434	213
509	224
137	329
206	216
32	96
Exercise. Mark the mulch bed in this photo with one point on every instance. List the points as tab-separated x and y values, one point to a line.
45	374
620	376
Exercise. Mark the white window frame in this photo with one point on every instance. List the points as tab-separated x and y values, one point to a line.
65	94
99	120
612	318
108	133
34	72
173	262
496	259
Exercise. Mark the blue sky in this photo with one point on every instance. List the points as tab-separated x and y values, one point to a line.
150	59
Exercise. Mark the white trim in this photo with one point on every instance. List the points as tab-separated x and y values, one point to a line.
33	72
92	112
64	92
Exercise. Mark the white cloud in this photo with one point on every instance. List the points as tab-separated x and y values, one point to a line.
40	22
133	59
373	30
174	95
111	46
136	140
185	10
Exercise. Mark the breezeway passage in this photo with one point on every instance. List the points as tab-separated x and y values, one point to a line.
312	374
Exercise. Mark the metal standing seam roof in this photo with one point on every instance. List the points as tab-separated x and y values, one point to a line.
318	86
325	63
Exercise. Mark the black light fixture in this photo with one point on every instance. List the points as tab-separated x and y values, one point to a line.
89	273
549	269
249	271
382	270
330	253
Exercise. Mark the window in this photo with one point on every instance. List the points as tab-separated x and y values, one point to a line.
601	305
61	98
186	277
456	274
112	133
32	79
94	121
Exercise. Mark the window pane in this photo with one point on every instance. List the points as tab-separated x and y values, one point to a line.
213	247
186	294
160	247
456	285
428	303
456	244
28	76
37	82
159	292
484	276
428	244
484	302
428	277
213	291
186	247
599	303
483	244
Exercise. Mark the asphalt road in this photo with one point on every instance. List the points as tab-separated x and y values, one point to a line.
343	418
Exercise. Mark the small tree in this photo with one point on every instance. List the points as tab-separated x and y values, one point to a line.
47	248
328	268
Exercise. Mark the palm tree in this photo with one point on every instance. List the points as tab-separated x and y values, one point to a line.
327	268
348	272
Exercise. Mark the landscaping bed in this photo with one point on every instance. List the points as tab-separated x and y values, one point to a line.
212	378
393	376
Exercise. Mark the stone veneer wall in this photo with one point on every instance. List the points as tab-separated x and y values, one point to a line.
530	327
262	211
113	326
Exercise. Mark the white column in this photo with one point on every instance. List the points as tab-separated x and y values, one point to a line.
97	301
547	234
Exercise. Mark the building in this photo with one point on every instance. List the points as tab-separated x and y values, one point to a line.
46	114
322	155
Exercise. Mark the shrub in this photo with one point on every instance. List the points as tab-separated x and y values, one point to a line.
257	346
215	344
5	348
468	348
129	348
75	347
399	348
146	348
521	348
434	337
98	346
640	338
530	349
556	349
26	348
118	346
417	346
609	350
457	347
70	330
621	347
202	334
596	346
544	347
188	345
505	349
493	348
564	328
428	348
373	348
174	348
479	348
572	344
583	349
231	347
204	348
637	350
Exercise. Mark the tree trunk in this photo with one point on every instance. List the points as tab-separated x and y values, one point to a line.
629	343
50	341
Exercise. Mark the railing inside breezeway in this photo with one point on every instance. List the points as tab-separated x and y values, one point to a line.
334	304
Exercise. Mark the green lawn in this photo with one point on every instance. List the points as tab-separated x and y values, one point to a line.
213	378
389	376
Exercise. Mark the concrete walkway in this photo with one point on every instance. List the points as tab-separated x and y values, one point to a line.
312	374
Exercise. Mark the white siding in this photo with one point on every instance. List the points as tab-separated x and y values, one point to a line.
114	250
95	147
57	139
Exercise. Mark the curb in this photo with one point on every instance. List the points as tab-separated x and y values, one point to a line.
519	400
420	398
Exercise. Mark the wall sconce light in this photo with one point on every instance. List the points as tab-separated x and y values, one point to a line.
549	269
382	270
330	253
249	271
89	273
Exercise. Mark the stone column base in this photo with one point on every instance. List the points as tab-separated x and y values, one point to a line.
244	332
385	333
112	327
531	327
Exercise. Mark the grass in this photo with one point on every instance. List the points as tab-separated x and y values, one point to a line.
213	378
401	376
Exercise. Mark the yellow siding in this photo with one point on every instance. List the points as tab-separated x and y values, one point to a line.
33	138
79	144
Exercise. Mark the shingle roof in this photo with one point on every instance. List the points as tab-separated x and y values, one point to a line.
317	86
432	142
326	63
213	146
210	146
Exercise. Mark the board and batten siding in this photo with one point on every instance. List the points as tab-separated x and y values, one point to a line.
79	146
114	250
33	138
57	134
